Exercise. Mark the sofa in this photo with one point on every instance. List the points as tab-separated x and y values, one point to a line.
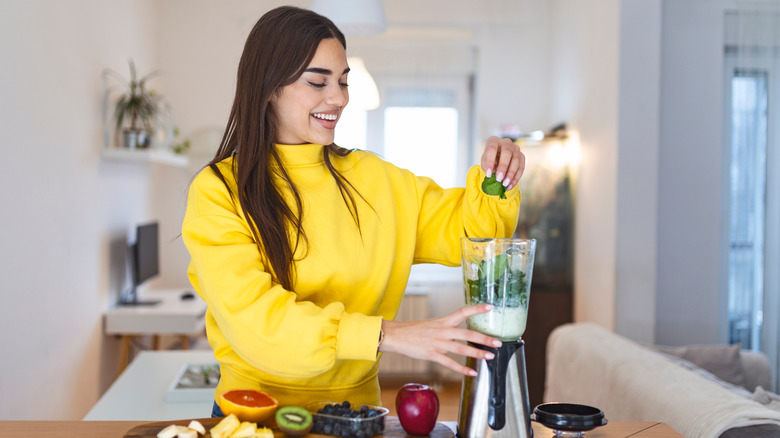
628	381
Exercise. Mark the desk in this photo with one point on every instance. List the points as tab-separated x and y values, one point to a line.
171	316
90	429
139	393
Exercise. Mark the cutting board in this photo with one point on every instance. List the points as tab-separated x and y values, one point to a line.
392	429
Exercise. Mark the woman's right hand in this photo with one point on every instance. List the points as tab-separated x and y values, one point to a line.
433	339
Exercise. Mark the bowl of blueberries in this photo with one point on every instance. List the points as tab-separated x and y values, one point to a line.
343	419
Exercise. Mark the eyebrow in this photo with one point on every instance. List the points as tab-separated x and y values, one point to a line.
324	71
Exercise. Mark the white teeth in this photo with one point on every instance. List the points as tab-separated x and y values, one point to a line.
326	116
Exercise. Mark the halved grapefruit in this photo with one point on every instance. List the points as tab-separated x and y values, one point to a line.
247	404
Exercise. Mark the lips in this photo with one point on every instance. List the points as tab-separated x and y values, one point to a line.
327	119
326	116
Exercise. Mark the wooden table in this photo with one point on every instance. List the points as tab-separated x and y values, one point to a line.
108	429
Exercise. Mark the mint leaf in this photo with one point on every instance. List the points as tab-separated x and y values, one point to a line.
491	186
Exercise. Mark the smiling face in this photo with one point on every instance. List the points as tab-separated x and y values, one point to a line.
307	110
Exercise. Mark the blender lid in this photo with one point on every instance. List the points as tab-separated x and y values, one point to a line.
568	416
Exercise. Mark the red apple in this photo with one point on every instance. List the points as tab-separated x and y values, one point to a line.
417	406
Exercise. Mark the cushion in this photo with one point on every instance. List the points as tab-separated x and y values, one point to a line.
721	360
766	398
758	372
758	430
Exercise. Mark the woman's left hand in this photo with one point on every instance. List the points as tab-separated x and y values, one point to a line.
503	157
434	339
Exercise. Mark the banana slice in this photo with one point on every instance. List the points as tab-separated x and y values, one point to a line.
196	426
171	431
188	433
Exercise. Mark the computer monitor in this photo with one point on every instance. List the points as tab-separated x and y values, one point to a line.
144	258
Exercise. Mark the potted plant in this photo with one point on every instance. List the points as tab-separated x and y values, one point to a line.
135	109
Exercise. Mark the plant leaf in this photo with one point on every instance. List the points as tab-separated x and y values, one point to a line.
491	186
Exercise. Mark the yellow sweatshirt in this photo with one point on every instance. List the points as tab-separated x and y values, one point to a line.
319	341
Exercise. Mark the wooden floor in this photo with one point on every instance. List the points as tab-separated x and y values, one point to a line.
448	393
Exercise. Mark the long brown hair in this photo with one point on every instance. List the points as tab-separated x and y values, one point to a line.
277	51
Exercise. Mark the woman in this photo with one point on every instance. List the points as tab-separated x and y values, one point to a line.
303	251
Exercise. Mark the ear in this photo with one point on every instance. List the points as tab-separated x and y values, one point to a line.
275	96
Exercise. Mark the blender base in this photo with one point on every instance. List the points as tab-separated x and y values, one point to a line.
479	404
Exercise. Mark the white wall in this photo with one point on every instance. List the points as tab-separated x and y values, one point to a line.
65	211
584	73
692	201
637	169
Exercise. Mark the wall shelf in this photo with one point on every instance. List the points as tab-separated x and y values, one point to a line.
152	155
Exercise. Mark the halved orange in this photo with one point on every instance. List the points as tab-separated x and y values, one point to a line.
248	404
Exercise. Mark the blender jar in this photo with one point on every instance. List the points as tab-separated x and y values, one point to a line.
498	272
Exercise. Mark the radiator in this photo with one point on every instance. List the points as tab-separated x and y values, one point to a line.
414	306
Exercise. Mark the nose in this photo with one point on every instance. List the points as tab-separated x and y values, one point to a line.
337	95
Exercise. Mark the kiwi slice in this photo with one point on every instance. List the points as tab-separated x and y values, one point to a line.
293	420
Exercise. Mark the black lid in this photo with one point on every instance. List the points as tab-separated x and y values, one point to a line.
568	416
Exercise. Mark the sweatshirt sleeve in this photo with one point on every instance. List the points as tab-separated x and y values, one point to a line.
446	215
261	321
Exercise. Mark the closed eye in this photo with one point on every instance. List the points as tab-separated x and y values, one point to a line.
323	85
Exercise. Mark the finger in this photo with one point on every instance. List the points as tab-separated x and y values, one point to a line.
454	365
488	161
516	169
506	150
477	353
475	337
453	334
455	318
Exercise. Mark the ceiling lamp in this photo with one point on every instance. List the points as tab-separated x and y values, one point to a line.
363	92
353	17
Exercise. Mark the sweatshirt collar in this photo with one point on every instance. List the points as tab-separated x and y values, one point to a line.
300	154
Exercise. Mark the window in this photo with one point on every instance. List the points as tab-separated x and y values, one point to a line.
421	133
752	92
418	126
749	102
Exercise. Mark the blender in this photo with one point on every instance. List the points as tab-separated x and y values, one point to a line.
494	403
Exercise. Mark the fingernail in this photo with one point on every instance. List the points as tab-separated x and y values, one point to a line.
499	176
489	356
489	307
472	373
496	344
506	182
489	173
